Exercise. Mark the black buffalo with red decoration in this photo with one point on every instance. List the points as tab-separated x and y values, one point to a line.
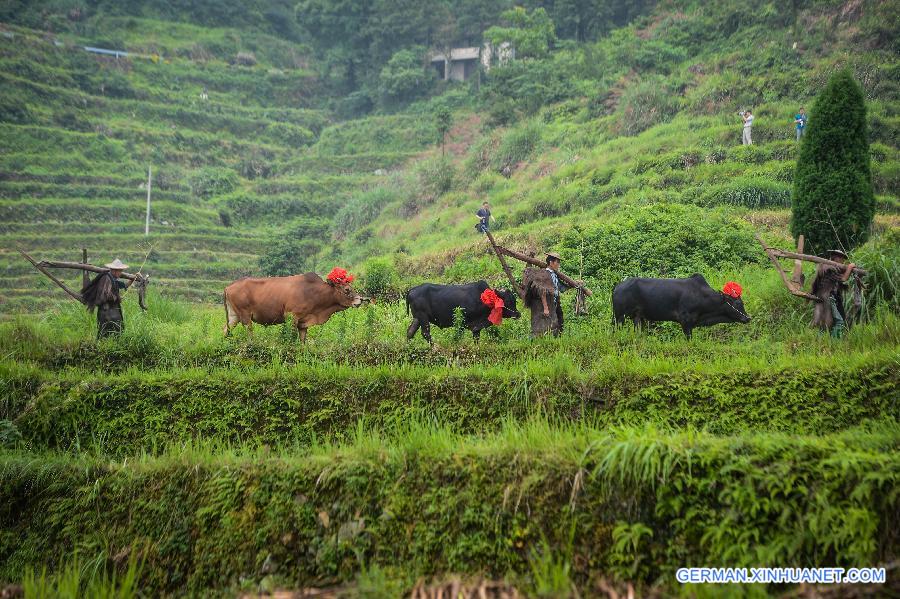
433	304
690	302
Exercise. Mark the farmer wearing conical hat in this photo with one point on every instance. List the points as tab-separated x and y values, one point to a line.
103	293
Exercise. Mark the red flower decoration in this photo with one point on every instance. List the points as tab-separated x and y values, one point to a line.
732	289
339	276
490	299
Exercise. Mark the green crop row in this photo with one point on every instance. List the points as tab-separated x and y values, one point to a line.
301	403
631	504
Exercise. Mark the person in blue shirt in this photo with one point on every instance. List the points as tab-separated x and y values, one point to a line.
800	121
484	218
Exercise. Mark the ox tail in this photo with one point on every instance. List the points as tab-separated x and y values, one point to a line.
407	303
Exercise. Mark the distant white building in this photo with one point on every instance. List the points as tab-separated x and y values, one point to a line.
463	62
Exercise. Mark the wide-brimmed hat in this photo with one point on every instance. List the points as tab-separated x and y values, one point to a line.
837	253
553	256
116	265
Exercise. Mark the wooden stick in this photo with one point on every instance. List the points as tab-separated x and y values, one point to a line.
808	258
80	266
530	260
40	267
797	276
787	283
85	279
518	288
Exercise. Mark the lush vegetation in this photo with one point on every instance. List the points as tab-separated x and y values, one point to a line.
833	199
301	136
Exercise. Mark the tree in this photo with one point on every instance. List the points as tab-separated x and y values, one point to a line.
443	120
531	34
404	78
833	201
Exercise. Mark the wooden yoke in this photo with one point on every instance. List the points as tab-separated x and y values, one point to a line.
502	251
793	285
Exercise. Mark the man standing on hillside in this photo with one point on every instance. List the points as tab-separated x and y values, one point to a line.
748	126
103	293
484	218
553	264
800	120
829	285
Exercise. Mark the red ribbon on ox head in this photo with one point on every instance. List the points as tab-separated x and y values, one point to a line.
339	276
732	289
490	299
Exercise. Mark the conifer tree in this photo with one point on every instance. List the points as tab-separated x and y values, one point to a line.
833	201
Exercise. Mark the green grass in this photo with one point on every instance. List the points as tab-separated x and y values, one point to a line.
206	513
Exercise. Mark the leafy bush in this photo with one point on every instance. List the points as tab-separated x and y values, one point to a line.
211	181
645	104
291	135
360	210
663	240
517	145
295	251
403	78
379	275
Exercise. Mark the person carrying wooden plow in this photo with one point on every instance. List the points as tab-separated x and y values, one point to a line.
829	285
103	293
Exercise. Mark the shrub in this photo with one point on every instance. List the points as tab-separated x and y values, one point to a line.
294	251
663	240
211	181
379	276
361	210
646	104
833	203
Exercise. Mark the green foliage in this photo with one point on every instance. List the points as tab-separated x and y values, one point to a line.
360	210
881	259
379	276
209	182
9	434
294	251
76	580
459	324
531	34
646	104
403	78
664	240
833	203
216	514
443	120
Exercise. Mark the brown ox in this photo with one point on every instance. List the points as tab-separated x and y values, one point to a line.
309	298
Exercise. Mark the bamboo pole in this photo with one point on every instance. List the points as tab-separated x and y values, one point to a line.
530	260
49	275
518	288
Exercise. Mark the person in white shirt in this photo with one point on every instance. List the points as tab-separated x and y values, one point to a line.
748	126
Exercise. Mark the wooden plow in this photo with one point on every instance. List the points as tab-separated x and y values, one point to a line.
795	283
140	280
500	251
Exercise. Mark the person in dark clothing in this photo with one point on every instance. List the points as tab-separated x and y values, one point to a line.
553	264
484	218
829	285
103	293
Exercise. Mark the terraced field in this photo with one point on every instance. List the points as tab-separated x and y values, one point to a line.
230	172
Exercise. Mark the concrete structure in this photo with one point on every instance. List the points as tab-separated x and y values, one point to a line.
463	62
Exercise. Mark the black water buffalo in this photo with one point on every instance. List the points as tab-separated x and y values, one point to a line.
690	302
433	304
